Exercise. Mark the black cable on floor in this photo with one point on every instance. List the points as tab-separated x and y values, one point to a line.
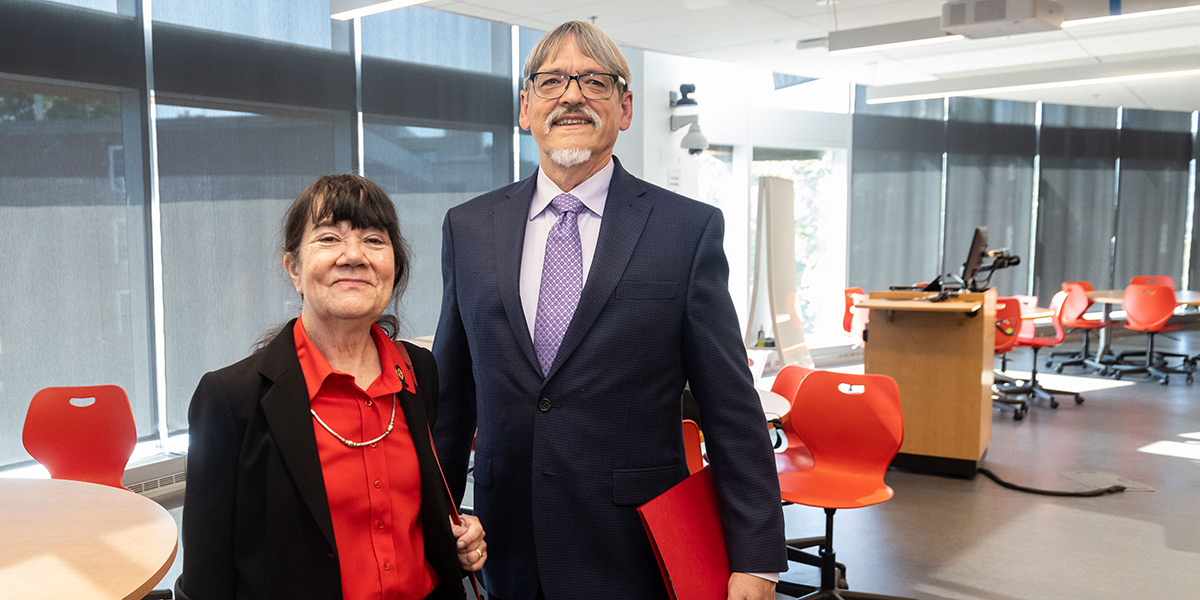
1112	489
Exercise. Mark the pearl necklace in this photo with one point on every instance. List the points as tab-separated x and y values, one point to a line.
350	444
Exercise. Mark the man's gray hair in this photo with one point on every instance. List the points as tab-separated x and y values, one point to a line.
591	41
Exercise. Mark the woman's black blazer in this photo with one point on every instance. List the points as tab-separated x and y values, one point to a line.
256	521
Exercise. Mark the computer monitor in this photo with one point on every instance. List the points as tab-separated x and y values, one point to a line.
975	257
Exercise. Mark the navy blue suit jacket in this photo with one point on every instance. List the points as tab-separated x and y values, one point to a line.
563	461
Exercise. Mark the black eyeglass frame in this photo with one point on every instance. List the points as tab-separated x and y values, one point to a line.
618	82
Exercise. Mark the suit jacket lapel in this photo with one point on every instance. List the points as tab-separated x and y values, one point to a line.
622	225
286	407
509	217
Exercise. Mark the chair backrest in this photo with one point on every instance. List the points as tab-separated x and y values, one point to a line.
84	433
1028	304
691	445
1148	307
1087	287
1075	304
849	421
1166	280
1028	333
787	381
848	316
1008	323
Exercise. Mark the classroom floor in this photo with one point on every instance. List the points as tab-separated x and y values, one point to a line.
944	538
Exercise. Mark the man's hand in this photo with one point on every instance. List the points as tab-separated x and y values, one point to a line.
472	551
744	586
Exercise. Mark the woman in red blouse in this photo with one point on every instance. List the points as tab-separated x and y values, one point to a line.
310	469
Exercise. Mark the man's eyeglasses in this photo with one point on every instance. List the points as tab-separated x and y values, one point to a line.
593	86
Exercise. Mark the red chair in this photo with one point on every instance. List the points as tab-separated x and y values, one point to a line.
853	426
1147	309
1008	323
81	433
1028	337
1075	306
796	456
691	446
848	315
1166	280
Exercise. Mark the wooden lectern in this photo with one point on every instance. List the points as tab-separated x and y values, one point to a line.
940	354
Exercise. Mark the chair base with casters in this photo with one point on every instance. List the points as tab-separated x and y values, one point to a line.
1019	406
1155	364
830	581
1034	389
1083	357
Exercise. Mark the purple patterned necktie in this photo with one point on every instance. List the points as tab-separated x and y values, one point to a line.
562	281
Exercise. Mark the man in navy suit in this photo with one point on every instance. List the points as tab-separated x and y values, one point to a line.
576	305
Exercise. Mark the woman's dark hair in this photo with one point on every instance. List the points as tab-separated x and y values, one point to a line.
361	202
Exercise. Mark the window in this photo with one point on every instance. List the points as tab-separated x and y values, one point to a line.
75	307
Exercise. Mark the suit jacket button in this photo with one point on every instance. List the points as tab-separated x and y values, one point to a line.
544	405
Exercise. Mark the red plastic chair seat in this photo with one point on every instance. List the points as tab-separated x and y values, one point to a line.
853	427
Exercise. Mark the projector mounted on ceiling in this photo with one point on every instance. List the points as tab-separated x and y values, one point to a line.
989	18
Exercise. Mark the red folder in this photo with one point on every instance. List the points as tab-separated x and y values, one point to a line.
684	526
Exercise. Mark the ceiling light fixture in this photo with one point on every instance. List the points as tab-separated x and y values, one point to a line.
1024	87
1130	16
345	10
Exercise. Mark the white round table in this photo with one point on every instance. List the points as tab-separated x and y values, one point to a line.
69	539
774	405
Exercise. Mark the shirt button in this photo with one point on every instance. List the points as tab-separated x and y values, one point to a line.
373	445
369	403
387	565
544	405
378	484
381	524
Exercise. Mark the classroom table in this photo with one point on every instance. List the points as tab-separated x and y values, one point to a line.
1108	298
70	539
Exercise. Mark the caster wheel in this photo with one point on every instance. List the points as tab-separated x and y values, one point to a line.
1165	381
1019	414
1189	379
1078	399
1053	403
1117	375
1050	364
1059	369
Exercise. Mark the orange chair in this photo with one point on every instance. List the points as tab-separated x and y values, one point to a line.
1074	308
691	446
1008	323
1147	309
1028	337
795	456
853	426
1166	280
81	433
848	316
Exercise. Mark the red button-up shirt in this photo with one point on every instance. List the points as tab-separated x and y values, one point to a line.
374	491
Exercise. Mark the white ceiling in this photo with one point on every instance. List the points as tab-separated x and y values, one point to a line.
765	34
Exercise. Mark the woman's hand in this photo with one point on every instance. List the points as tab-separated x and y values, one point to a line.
472	550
